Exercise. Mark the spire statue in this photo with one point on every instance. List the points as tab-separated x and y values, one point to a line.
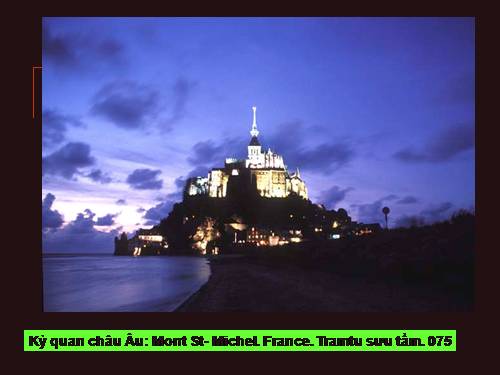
254	132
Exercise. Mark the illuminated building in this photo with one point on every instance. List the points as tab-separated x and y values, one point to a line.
267	171
360	229
266	237
146	243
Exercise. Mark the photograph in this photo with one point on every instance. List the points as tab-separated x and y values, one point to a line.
258	164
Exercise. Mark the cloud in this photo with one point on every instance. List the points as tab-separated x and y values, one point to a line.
67	160
448	144
207	153
372	212
180	182
389	197
54	126
79	236
407	200
289	141
126	104
430	215
334	195
327	157
288	136
181	92
98	176
121	202
141	210
106	220
155	214
80	50
410	221
145	179
57	48
51	219
437	212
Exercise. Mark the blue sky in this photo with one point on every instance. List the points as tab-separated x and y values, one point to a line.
374	112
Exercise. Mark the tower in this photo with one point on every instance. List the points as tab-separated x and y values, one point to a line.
254	148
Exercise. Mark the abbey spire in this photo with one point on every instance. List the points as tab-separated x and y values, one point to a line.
254	132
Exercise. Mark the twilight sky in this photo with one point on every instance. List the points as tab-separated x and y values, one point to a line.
373	111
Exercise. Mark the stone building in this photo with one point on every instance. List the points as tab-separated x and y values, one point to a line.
266	169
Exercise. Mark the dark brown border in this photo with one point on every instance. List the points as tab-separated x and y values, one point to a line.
25	288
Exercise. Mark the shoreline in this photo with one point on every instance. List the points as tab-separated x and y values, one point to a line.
239	284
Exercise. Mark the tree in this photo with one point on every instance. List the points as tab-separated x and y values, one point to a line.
205	234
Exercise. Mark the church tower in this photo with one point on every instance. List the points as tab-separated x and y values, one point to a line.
254	148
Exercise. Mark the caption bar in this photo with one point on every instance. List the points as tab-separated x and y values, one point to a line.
239	340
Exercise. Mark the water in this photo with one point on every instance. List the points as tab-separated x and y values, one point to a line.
120	283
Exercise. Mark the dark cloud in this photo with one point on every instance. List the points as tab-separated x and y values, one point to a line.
410	221
327	157
126	104
333	196
108	48
121	202
57	48
141	210
288	136
106	220
448	144
407	200
437	212
79	51
131	105
67	160
51	219
79	236
175	196
155	214
289	141
54	126
180	182
97	175
207	153
181	92
145	179
370	212
198	171
429	215
390	197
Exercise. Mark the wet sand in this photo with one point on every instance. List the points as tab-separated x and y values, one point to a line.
238	284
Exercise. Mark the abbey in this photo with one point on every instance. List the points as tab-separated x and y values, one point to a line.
266	170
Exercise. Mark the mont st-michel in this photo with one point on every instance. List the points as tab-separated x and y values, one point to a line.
257	164
254	220
245	203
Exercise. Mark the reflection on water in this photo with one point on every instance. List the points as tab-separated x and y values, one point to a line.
111	283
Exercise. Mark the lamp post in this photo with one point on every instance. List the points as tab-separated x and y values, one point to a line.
386	211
